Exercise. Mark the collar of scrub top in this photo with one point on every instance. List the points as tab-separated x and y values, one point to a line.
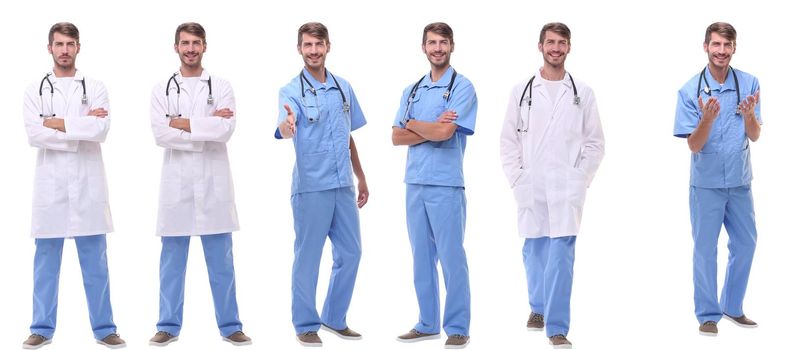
312	90
707	89
416	86
47	83
576	100
177	79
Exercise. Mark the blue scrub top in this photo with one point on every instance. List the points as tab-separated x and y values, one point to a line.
724	161
321	145
439	163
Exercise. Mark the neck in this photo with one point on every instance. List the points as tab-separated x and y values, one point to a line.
552	73
319	74
438	72
189	72
719	73
63	72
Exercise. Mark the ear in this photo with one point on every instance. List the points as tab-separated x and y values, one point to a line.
569	46
299	49
706	47
734	48
78	47
539	47
204	46
452	47
423	49
175	48
49	48
328	48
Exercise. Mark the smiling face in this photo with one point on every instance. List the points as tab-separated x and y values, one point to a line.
437	49
720	51
64	49
554	48
190	48
314	51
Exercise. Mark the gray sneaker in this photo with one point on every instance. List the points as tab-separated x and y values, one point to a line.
456	341
162	339
310	339
415	336
238	338
35	341
741	321
559	341
345	333
112	341
708	328
536	322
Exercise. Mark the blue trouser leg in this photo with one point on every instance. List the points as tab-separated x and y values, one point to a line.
174	256
95	274
742	238
549	273
535	257
345	238
220	268
46	277
426	278
446	208
313	214
707	212
558	285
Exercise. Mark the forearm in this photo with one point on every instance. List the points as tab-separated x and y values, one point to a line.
404	137
699	136
752	128
356	166
432	131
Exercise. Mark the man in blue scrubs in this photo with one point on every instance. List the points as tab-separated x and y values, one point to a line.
318	111
435	116
718	113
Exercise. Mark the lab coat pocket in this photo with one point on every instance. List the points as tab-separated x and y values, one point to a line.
523	190
169	193
222	186
43	190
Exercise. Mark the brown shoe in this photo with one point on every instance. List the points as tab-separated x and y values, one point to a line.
238	338
310	339
345	333
559	341
162	339
35	341
112	341
741	321
415	336
536	322
456	341
708	328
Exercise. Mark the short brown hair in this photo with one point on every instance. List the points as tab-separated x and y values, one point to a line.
725	30
192	28
440	28
66	28
556	27
314	29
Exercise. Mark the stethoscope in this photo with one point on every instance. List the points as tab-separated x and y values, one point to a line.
52	96
413	92
707	89
177	85
576	100
312	90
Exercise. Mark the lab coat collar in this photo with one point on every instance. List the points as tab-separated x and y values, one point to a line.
444	80
179	77
328	84
538	79
730	84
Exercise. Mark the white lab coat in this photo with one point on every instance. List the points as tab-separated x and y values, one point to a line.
69	191
196	192
550	166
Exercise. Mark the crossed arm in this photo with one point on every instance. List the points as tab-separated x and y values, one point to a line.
417	131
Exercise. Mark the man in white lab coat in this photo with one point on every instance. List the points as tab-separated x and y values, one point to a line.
551	146
192	116
67	117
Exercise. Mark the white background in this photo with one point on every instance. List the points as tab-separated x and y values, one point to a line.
633	274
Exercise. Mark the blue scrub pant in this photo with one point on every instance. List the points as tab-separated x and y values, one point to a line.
95	274
710	208
436	218
220	268
317	215
549	263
